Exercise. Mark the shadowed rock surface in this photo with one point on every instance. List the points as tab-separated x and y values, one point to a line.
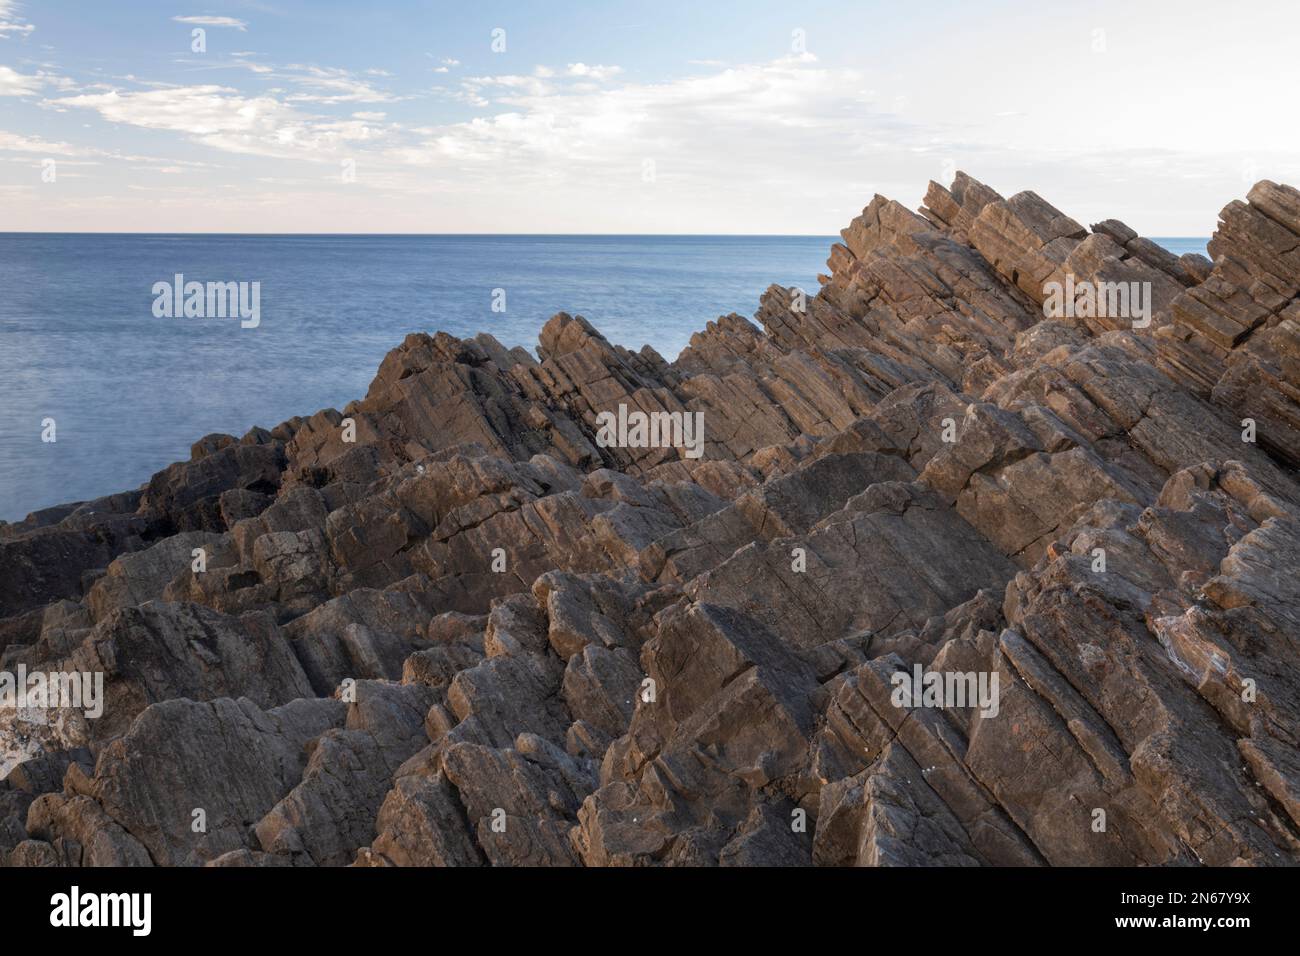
449	625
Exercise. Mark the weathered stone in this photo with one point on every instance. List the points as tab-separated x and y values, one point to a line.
448	626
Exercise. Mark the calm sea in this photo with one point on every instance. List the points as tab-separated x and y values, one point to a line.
130	392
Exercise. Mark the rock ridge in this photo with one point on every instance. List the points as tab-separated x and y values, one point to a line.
451	625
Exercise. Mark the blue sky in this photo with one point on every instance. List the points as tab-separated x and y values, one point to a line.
732	117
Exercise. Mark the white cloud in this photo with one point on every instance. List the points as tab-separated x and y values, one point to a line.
593	72
18	143
10	23
752	108
13	83
222	118
475	89
328	85
199	110
789	145
81	155
214	22
237	61
762	147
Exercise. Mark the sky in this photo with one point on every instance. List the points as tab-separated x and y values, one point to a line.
707	116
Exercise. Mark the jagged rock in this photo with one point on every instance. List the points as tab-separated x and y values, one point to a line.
225	758
331	813
1236	334
141	576
450	625
422	823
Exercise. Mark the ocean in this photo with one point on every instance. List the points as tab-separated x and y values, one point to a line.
129	391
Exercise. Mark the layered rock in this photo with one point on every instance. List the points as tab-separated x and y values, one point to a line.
452	624
1236	335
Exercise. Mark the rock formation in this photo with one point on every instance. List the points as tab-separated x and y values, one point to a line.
449	625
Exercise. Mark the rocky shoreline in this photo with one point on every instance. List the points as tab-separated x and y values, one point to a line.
447	625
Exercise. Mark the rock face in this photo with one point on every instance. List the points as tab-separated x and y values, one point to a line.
949	582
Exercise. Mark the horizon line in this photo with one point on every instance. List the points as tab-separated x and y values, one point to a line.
463	235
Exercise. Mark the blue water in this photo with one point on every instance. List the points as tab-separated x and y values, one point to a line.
130	392
1181	245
